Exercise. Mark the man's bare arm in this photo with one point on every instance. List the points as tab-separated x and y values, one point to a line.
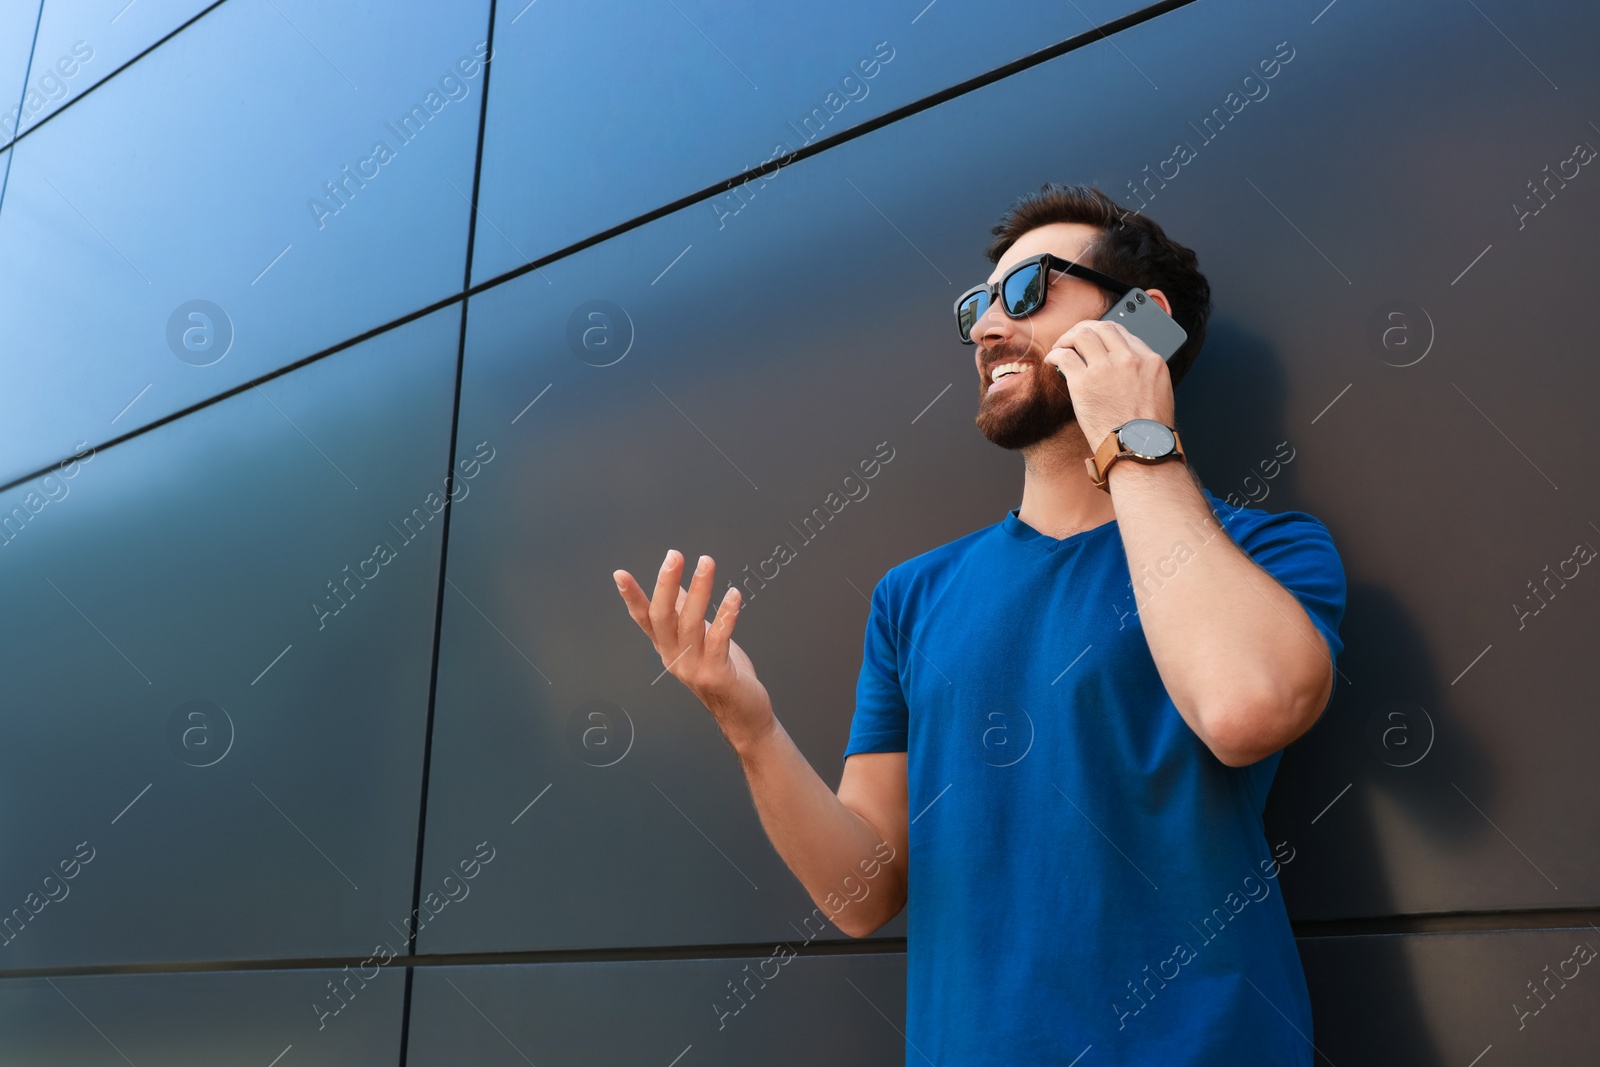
848	849
1243	662
1238	653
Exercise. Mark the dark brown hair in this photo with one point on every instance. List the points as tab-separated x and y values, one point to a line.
1130	246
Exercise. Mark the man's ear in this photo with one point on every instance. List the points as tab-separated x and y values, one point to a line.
1161	298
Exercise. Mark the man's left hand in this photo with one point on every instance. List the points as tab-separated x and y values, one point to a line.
1112	377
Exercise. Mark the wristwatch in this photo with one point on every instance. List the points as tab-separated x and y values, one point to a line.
1145	440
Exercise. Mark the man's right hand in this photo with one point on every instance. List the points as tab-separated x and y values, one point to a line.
832	842
701	655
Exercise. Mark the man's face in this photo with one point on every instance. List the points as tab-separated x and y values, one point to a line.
1024	408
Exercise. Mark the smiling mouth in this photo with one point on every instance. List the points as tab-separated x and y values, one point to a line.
1001	371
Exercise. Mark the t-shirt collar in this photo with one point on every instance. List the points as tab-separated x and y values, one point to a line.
1027	535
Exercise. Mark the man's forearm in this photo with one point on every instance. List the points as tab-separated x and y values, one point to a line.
1237	653
845	864
830	844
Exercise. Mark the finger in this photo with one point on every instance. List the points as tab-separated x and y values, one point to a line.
1088	339
1115	337
691	623
637	603
664	605
1067	359
720	630
1066	344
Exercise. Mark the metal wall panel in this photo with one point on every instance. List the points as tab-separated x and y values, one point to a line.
1432	1000
693	93
206	760
221	141
82	41
18	20
647	835
200	1019
774	1009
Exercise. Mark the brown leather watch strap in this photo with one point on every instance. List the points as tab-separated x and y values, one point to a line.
1111	450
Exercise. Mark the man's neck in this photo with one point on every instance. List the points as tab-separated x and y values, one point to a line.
1058	499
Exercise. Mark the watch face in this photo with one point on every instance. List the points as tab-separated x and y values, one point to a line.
1146	438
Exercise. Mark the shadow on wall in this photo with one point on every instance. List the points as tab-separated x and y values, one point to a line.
1230	413
1416	760
1386	730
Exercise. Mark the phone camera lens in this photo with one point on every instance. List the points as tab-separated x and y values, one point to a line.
1139	297
1130	305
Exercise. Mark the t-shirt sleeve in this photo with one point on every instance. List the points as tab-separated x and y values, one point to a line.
880	719
1298	551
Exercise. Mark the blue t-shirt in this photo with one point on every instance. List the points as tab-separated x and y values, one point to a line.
1083	871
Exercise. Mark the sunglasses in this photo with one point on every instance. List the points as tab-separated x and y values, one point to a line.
1021	292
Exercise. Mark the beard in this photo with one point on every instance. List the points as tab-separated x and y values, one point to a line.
1028	411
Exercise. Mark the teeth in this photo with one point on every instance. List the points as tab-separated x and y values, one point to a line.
1003	369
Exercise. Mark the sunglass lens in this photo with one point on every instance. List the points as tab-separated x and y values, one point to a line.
1023	291
971	309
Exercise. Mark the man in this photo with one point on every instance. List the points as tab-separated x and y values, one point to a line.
1066	723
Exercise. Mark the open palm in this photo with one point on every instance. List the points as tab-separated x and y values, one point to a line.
700	654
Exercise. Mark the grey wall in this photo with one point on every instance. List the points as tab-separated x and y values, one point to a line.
228	784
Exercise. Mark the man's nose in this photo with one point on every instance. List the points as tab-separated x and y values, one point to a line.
992	327
995	328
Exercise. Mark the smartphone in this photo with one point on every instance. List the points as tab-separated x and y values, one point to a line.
1144	319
